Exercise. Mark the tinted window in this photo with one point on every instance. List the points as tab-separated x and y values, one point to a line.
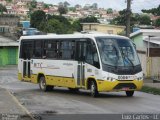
26	51
38	49
67	50
51	49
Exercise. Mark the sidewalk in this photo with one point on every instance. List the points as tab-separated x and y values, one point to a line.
154	85
10	107
149	83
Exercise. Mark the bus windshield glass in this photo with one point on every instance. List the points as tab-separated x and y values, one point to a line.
117	52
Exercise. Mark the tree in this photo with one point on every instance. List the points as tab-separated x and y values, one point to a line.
109	10
36	18
9	1
33	4
2	9
157	22
144	20
62	10
77	26
94	6
154	11
91	19
46	6
66	4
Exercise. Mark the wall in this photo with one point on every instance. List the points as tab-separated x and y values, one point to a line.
138	40
108	29
151	66
8	56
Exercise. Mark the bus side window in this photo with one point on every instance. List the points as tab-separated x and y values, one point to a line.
26	50
67	50
51	49
38	49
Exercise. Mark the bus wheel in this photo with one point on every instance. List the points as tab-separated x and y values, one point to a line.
73	89
43	86
93	89
129	93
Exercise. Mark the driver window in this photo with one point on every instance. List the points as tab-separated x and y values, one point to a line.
92	55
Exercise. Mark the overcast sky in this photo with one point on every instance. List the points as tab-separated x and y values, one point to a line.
137	5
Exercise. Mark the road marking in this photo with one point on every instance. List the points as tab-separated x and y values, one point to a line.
23	108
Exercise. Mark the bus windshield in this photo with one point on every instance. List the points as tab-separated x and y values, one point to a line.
117	52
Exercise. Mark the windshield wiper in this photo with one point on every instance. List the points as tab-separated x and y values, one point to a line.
129	61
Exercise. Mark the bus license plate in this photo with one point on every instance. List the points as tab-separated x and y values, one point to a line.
126	88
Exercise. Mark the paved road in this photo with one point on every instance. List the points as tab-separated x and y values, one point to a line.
61	101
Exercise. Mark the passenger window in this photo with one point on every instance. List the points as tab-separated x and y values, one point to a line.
26	50
67	50
38	49
50	49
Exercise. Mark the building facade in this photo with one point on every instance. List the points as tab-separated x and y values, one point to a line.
8	51
104	28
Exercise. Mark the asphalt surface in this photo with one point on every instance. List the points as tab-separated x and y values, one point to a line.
63	104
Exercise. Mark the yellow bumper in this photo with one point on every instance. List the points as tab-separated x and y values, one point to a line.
104	86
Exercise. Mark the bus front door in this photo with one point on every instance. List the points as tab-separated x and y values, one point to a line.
26	70
81	51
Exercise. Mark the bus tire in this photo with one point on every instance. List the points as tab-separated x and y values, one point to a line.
93	89
43	86
129	93
73	89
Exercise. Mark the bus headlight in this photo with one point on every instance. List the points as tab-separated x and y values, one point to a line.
111	79
140	78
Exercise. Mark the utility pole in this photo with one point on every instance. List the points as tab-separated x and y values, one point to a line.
128	17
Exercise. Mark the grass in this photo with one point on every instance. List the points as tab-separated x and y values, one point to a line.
147	89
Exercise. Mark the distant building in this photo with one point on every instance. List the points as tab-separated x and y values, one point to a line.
143	36
9	25
8	51
104	28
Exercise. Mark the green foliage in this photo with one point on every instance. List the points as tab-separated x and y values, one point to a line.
91	19
36	18
46	6
62	10
121	19
33	4
77	26
2	9
72	9
157	23
154	11
51	23
9	1
109	10
144	20
155	91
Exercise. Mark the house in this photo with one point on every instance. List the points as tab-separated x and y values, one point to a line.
143	36
104	28
144	39
8	51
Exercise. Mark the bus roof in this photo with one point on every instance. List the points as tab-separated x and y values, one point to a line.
71	36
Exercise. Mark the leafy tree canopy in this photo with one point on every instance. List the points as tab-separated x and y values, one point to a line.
62	10
154	11
109	10
37	17
91	19
157	23
2	9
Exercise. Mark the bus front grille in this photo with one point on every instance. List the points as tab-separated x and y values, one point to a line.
125	85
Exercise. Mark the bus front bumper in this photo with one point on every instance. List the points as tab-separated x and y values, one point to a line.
117	85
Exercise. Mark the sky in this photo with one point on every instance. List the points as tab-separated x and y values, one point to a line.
137	5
